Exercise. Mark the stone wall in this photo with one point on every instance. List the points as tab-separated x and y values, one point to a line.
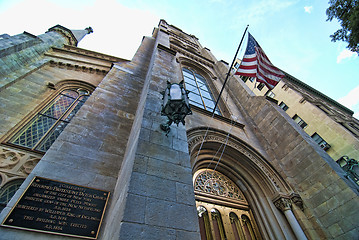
154	196
330	201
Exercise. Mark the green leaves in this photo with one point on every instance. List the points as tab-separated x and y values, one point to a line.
347	13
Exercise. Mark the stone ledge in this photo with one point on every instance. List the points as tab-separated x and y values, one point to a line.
162	47
77	67
217	117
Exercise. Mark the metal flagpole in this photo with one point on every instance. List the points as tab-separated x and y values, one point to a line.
229	70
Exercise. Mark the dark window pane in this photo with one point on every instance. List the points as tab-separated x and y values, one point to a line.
8	191
59	107
34	132
50	139
70	93
77	107
200	78
41	130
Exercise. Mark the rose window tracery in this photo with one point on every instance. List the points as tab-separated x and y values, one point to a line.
215	183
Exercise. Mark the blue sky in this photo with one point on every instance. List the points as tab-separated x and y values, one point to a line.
293	33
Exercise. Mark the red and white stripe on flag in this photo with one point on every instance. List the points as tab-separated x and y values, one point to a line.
255	63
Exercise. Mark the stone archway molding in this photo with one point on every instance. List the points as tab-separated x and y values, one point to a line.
197	135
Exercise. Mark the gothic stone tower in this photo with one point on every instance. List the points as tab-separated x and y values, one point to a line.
85	127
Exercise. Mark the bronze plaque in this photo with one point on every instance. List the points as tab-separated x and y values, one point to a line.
59	208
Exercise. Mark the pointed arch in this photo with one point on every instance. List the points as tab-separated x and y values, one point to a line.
40	128
8	190
256	177
207	72
236	149
201	69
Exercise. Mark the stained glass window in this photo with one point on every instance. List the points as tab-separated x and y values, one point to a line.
40	133
199	93
215	183
7	191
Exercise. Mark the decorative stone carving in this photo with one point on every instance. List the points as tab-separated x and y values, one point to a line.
283	203
16	164
215	183
69	66
297	200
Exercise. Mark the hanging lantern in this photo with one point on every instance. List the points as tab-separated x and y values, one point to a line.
175	105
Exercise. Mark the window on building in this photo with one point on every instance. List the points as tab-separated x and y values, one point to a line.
260	86
283	106
299	121
270	94
321	142
8	191
199	93
244	78
236	65
43	129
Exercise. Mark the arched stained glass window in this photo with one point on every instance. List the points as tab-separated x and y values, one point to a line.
215	183
199	93
43	129
8	191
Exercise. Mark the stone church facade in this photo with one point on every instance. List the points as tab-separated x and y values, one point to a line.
92	120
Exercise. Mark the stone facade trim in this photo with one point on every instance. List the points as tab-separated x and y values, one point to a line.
193	56
66	33
16	164
284	202
162	47
76	67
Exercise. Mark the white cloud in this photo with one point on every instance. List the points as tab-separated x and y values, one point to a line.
256	13
308	9
346	54
351	100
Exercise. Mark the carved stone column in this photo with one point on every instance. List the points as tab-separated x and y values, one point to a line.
284	203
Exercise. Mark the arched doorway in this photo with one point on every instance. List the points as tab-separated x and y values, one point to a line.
252	216
223	211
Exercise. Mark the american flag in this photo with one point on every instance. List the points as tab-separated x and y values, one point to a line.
255	63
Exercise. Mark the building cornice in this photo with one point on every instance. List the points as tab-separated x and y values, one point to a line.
311	90
76	67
